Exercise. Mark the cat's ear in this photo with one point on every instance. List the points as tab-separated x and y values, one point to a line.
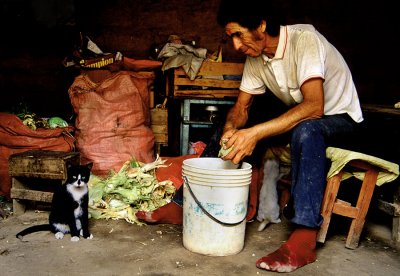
90	165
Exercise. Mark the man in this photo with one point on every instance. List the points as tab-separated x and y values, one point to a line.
300	67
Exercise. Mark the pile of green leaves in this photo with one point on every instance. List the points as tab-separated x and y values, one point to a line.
134	188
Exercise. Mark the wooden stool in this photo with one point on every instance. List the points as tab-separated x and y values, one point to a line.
27	168
332	205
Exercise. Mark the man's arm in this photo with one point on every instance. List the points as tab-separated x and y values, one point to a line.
312	107
239	113
245	140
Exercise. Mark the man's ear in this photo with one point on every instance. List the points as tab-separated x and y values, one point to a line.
263	26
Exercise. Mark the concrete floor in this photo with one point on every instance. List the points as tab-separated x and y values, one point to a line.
120	248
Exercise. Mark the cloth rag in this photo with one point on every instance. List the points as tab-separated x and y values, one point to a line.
388	172
188	57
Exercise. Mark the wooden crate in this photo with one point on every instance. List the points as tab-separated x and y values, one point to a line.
42	163
29	169
214	80
159	126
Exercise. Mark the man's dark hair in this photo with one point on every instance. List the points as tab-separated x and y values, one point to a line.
250	15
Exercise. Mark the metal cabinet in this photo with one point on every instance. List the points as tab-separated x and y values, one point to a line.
188	120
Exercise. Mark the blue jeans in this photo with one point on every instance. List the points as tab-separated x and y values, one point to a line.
308	144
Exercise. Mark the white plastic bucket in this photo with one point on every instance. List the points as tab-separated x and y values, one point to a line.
214	210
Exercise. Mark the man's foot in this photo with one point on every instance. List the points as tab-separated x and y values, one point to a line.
170	213
298	251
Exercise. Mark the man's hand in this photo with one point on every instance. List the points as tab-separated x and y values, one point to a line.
242	142
237	118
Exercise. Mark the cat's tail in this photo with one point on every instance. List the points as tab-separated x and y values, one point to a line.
32	229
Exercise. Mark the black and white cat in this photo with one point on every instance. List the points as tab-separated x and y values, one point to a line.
69	207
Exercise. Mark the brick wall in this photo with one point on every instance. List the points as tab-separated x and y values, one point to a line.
38	34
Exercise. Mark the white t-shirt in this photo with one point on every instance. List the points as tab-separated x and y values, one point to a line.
303	53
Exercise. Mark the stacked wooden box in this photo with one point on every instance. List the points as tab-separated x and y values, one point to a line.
215	80
159	125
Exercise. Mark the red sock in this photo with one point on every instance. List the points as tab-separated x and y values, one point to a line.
298	251
170	213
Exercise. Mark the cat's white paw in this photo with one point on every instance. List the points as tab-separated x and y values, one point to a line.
75	239
59	235
88	238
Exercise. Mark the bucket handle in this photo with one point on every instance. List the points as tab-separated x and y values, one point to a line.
205	211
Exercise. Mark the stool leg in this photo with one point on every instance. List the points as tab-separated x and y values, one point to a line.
331	191
363	202
396	229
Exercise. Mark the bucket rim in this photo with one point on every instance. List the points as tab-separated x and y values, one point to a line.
188	163
222	181
215	176
226	185
218	172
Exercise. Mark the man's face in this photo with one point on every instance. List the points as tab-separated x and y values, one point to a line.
250	43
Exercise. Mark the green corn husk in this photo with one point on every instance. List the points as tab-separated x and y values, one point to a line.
224	152
133	188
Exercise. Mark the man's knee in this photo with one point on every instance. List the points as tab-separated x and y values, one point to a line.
306	131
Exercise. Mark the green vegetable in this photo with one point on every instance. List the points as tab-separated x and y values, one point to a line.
133	188
55	122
